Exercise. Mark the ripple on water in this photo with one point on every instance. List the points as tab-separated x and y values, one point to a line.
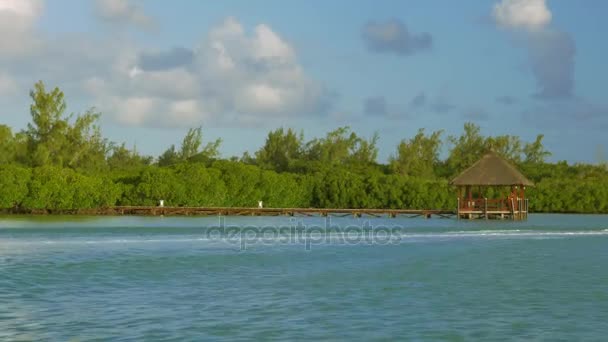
444	280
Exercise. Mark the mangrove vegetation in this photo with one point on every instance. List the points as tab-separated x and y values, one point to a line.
62	161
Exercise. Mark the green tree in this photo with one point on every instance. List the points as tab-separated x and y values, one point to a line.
204	186
419	156
52	140
466	149
191	150
169	157
121	158
13	185
535	152
281	149
342	146
192	143
8	148
507	146
158	183
49	189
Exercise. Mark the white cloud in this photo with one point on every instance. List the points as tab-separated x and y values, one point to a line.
8	86
17	18
552	52
123	11
133	110
522	14
21	8
233	75
267	44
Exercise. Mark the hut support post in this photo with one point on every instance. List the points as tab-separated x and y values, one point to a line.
485	208
512	209
520	208
458	207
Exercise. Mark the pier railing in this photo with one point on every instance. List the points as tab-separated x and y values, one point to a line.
516	208
481	204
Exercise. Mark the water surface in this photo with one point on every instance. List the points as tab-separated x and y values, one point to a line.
184	279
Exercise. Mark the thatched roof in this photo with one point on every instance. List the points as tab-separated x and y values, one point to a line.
491	170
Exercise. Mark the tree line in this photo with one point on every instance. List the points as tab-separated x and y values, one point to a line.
62	161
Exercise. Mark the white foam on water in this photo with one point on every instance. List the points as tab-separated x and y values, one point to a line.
511	233
333	237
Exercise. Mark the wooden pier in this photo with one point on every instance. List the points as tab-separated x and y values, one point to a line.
296	212
235	211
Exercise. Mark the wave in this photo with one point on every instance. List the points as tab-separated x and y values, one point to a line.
291	239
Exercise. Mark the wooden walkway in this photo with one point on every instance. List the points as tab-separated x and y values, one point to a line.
231	211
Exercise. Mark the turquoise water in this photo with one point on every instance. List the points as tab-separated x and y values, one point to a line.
193	279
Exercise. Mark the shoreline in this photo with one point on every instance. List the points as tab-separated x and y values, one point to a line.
144	211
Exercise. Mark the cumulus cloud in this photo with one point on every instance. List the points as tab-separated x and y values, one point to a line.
551	52
393	36
231	76
26	9
17	19
123	12
524	14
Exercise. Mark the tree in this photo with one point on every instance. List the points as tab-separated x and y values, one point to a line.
191	150
342	146
169	157
52	140
418	156
158	183
281	149
365	152
535	152
507	146
13	185
121	158
7	145
466	149
47	131
204	186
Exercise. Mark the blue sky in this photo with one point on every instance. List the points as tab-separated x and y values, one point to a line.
240	68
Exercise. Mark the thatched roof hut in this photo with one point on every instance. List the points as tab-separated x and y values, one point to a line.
491	170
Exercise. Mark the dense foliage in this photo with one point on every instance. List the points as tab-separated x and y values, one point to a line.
62	162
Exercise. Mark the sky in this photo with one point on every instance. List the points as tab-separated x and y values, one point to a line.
239	69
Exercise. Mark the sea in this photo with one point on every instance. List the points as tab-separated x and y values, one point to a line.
313	278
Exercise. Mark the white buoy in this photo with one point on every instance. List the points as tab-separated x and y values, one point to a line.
161	203
260	204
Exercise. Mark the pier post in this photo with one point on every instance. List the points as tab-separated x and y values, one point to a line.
458	209
512	209
520	207
485	208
